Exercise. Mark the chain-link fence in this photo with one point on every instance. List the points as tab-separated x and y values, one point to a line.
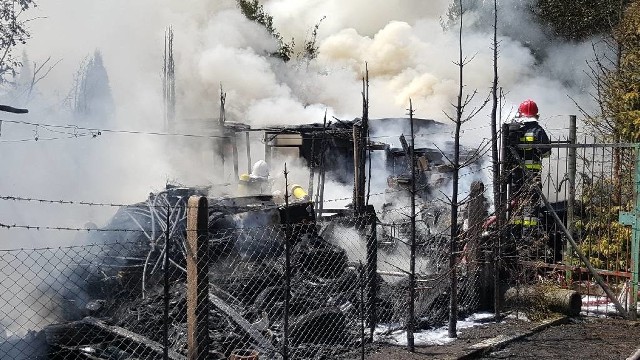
278	282
587	185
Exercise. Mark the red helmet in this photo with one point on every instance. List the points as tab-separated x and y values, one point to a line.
528	108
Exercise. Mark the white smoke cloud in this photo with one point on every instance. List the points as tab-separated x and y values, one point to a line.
408	52
409	56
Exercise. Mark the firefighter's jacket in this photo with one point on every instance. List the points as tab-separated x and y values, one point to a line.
528	170
529	132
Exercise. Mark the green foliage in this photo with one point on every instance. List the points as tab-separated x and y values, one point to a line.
579	19
13	31
454	12
624	95
310	50
568	19
254	11
605	241
617	82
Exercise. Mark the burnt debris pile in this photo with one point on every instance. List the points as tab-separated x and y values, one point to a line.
121	312
281	282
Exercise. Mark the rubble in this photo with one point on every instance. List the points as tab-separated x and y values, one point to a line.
329	301
92	338
246	278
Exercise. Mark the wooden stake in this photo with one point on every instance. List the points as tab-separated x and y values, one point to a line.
197	278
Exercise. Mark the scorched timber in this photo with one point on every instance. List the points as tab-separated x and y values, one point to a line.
90	331
264	345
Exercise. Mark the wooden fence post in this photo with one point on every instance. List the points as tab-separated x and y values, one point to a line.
197	278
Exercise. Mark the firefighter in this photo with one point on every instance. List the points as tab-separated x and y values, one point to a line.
256	183
524	129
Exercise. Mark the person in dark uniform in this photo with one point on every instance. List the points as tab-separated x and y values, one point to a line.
524	129
525	179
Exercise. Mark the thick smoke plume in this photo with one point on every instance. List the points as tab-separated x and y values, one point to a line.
409	46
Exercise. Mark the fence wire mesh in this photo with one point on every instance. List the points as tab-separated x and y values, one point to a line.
347	283
544	258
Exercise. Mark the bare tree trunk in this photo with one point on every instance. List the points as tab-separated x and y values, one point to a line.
168	81
495	160
453	299
412	256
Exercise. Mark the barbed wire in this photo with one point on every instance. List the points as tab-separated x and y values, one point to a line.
99	131
65	228
95	132
111	244
143	205
147	205
39	139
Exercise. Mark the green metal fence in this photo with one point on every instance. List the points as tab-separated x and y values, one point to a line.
592	189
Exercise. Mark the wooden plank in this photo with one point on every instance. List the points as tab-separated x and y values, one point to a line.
93	332
197	278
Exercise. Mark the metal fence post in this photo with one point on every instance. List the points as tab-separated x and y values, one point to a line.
635	248
197	278
631	218
635	244
571	177
372	269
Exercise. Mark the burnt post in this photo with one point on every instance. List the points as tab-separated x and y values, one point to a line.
222	143
358	167
248	144
360	144
312	165
221	148
234	149
267	149
323	149
197	278
372	268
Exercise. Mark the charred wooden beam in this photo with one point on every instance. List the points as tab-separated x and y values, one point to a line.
198	278
559	300
263	345
91	331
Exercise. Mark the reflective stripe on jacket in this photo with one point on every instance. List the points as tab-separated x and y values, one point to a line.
530	132
532	165
525	221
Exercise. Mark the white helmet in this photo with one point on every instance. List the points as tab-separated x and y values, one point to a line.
260	170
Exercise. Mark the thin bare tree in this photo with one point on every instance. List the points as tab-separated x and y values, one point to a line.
495	161
461	117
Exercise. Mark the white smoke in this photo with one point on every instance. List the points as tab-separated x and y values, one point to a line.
409	56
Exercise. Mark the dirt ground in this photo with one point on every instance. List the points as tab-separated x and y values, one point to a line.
452	350
580	338
586	338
